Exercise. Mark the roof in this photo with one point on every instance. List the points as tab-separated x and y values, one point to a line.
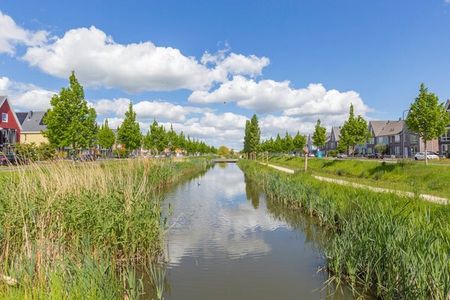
447	105
384	128
21	116
33	121
336	133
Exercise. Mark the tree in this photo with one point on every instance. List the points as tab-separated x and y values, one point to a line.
106	136
427	117
255	136
299	142
129	133
354	131
252	136
70	122
320	135
223	151
288	144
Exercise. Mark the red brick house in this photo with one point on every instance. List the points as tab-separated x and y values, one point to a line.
10	127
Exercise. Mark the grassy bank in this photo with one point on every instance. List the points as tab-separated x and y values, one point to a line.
383	244
406	176
75	231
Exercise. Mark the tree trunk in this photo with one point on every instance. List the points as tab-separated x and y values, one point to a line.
426	154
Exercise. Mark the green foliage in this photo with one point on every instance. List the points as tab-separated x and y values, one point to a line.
33	152
320	135
223	151
299	142
158	139
427	117
129	133
70	122
71	229
381	244
354	131
27	151
252	135
106	137
381	148
332	153
286	144
411	177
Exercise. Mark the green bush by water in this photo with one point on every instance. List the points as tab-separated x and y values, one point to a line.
383	244
75	231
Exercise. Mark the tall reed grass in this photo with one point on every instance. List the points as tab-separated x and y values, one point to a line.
382	244
72	231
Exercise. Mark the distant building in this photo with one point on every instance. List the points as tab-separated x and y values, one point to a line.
398	139
10	127
333	140
32	127
444	140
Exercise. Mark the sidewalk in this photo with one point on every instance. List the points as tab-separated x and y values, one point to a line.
430	198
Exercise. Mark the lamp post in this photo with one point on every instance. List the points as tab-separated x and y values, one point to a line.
403	133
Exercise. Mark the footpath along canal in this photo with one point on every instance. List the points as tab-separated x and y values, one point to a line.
227	241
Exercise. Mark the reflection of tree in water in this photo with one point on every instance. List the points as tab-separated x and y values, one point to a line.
315	235
222	165
252	192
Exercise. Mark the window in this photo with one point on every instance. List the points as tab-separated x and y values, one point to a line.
371	141
414	139
5	117
397	150
397	138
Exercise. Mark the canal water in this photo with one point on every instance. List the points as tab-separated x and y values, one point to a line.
227	241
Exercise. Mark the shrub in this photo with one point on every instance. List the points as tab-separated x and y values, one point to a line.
332	153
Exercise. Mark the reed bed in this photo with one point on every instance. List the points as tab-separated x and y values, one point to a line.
381	244
75	231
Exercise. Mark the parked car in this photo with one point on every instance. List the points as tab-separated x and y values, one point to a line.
341	155
430	155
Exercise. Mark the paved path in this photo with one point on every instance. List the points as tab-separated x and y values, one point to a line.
430	198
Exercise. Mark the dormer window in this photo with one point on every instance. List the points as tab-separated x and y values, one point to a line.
4	117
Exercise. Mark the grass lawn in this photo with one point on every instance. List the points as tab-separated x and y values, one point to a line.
406	176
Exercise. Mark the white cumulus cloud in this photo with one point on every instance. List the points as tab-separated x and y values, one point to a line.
271	96
99	61
25	96
11	35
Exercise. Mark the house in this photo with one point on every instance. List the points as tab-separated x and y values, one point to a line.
32	127
10	127
444	140
396	137
333	140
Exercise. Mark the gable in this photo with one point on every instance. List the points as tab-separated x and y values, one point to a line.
12	121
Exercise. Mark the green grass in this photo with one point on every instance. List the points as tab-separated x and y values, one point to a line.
404	175
381	244
76	231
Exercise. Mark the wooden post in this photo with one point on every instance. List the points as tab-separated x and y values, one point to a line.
305	151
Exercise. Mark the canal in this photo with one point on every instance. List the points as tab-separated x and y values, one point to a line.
225	240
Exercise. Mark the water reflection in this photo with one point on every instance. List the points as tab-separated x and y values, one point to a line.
227	242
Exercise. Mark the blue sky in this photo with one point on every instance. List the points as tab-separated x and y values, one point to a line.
205	66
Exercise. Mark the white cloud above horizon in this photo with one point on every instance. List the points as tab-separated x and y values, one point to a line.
224	76
12	35
135	67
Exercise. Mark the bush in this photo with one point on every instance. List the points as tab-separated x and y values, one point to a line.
27	151
332	153
45	151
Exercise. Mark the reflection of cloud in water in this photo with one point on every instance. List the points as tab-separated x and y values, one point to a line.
216	217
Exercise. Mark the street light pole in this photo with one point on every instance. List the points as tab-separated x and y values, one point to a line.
403	133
